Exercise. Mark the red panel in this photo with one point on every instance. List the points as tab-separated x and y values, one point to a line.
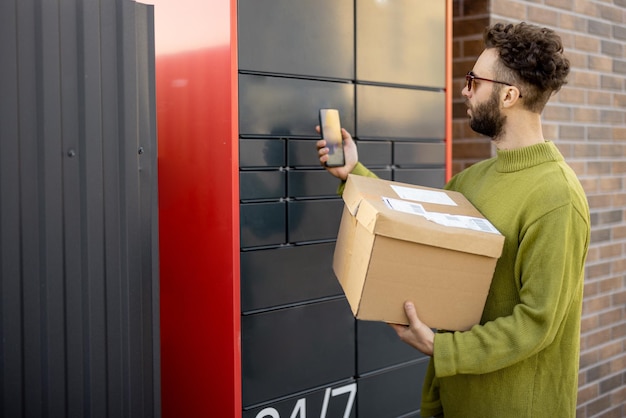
196	75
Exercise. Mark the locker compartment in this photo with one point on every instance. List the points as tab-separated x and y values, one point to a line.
314	38
429	177
393	393
312	183
287	275
401	42
412	154
261	153
374	153
262	224
291	350
389	112
303	152
280	106
378	347
338	400
262	185
385	174
314	220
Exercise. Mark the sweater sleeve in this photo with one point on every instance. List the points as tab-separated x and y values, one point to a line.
549	270
359	170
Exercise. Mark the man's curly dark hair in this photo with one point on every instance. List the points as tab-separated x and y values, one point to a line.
534	58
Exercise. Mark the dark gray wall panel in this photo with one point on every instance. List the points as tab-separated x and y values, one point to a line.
312	183
375	153
254	153
378	347
295	349
263	224
78	225
286	275
314	38
401	42
406	154
314	220
402	388
262	185
435	177
388	112
280	106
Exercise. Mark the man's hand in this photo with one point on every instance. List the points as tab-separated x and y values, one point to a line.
417	334
349	151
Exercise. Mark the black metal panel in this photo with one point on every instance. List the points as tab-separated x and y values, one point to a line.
378	346
279	106
313	38
78	225
429	177
401	42
375	153
311	183
263	224
302	152
295	349
286	275
388	112
314	220
254	153
337	400
407	154
402	389
262	185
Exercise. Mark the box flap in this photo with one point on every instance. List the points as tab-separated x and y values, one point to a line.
363	198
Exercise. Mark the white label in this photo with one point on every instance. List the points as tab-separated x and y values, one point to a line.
426	196
404	206
445	219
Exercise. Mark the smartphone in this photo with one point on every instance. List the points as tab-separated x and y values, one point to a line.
330	128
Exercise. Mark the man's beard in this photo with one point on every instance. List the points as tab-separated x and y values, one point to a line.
486	118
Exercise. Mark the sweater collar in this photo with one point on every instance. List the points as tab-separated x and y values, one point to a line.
509	161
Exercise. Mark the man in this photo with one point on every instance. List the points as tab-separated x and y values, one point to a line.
522	359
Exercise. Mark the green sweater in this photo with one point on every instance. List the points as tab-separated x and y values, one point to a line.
522	360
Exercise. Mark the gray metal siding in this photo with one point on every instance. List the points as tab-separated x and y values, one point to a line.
78	210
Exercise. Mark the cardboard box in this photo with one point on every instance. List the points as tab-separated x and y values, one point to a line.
400	242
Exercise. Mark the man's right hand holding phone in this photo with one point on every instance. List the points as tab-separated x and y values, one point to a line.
350	153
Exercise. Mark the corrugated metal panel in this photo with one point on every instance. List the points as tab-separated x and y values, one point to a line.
78	210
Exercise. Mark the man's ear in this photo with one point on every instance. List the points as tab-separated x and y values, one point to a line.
510	96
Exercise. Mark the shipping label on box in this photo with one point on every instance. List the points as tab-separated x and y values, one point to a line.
401	242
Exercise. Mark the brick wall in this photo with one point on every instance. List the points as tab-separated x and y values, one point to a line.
587	121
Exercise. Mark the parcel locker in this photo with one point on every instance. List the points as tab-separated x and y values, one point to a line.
286	351
400	42
337	400
257	185
311	183
286	275
306	38
287	107
263	224
402	387
313	220
378	348
388	112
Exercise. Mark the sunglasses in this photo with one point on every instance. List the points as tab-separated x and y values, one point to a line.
470	78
